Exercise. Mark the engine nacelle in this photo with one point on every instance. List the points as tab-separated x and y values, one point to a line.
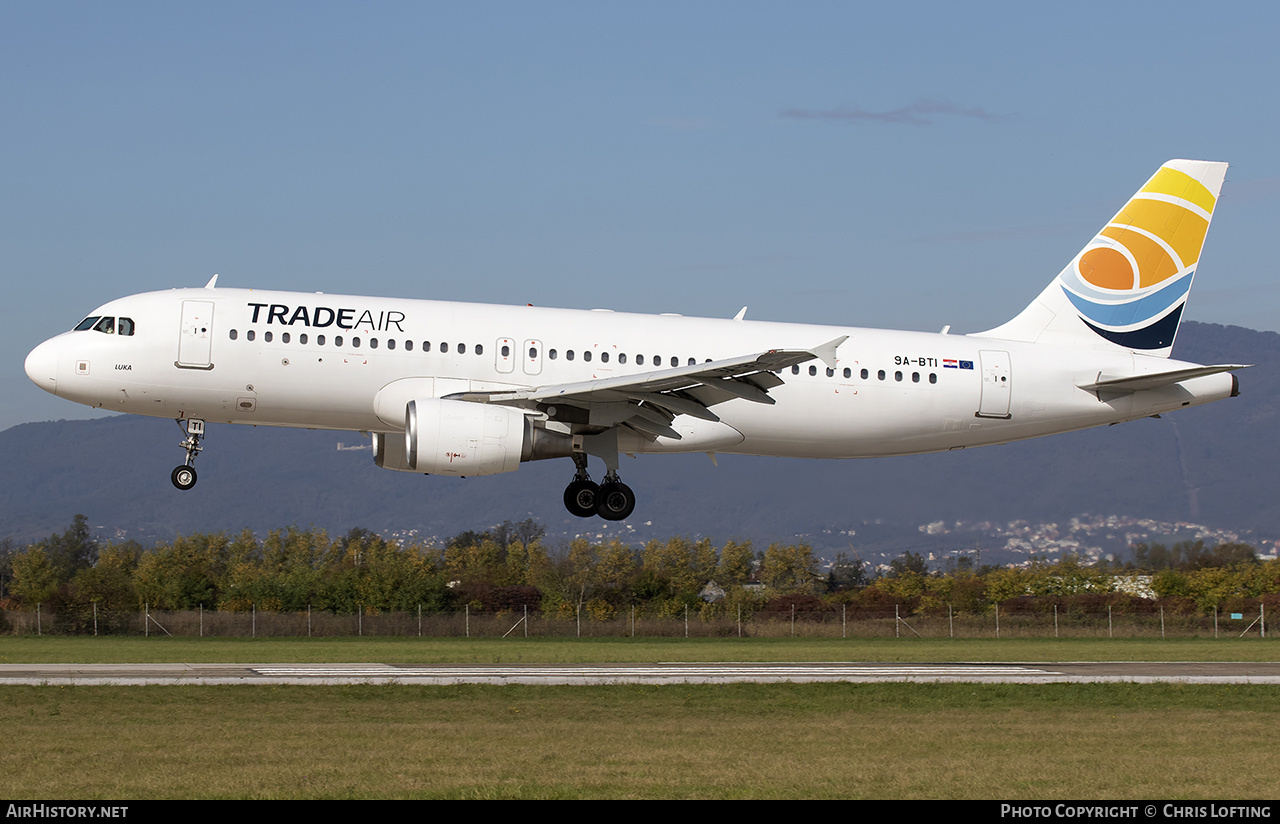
444	437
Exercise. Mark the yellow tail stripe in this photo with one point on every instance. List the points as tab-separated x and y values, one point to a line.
1181	228
1179	184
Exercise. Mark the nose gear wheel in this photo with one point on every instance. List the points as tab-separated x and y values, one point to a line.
184	475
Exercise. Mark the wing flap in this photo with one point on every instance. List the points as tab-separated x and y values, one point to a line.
681	390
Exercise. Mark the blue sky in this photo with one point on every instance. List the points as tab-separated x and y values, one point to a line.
903	165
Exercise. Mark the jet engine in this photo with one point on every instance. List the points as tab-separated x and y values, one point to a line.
445	437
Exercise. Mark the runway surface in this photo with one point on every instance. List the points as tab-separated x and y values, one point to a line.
663	673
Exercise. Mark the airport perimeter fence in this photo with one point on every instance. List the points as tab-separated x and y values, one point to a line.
632	622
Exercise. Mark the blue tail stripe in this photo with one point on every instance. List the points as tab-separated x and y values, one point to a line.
1137	311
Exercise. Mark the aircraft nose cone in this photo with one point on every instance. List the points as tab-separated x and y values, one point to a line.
42	366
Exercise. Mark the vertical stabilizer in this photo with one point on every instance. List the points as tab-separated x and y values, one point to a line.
1128	287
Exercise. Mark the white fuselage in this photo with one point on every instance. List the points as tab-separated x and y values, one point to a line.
330	361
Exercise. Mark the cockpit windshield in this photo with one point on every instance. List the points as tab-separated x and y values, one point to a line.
106	325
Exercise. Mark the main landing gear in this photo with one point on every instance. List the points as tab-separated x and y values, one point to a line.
184	476
612	500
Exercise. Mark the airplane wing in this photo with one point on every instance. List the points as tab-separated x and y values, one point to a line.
649	401
1155	380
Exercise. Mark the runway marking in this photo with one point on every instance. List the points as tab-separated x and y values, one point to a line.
1079	672
644	674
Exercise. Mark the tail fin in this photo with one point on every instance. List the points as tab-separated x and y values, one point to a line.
1129	285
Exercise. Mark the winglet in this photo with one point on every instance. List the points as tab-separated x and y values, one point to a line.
742	313
827	351
213	281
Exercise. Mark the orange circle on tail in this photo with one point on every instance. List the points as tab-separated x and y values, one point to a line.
1107	269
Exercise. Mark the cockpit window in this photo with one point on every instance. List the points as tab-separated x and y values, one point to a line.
106	325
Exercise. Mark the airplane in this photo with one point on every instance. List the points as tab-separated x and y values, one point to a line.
464	389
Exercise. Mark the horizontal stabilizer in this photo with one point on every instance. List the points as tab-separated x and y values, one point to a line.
1155	380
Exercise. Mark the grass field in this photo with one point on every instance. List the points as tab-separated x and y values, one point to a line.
734	741
1082	741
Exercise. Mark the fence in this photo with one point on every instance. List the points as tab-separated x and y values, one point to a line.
632	622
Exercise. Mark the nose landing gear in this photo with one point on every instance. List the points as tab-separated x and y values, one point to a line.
184	476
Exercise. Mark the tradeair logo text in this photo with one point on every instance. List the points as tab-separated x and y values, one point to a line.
321	316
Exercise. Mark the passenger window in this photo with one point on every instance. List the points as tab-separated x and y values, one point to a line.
319	340
337	340
915	377
426	346
831	373
250	335
462	349
795	370
848	373
284	337
106	326
234	334
408	346
444	348
568	355
479	349
302	339
533	352
622	358
87	323
813	371
506	351
391	343
880	374
675	361
586	355
639	360
266	336
692	361
551	353
604	357
373	343
865	374
125	326
933	377
897	376
355	343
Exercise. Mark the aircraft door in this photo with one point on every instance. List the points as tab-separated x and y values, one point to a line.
532	353
996	384
195	339
505	355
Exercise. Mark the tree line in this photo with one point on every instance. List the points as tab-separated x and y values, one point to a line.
511	567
